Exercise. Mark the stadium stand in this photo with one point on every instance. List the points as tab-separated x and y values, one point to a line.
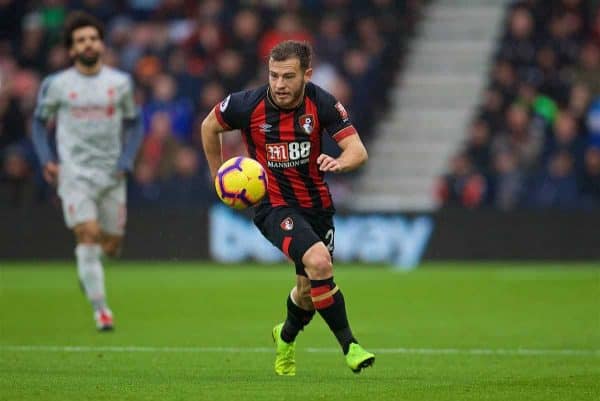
534	140
185	56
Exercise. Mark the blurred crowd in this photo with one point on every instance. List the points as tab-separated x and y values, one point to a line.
185	56
534	141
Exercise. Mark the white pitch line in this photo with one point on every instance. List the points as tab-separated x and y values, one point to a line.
420	351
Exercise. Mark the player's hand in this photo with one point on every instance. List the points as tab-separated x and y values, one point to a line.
328	163
51	172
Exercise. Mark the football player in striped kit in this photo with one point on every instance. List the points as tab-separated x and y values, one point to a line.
282	124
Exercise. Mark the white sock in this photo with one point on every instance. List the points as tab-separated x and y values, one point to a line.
91	273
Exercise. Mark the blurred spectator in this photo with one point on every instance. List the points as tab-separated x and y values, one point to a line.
590	179
331	41
246	36
518	45
507	182
11	15
462	186
287	27
547	73
16	174
504	79
358	72
491	109
163	99
579	101
101	9
12	120
212	94
187	186
593	121
587	72
230	72
478	145
144	189
160	145
556	186
566	138
519	137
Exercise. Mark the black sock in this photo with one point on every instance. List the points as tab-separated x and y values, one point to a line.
296	319
333	310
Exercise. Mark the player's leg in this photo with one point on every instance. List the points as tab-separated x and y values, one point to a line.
279	226
300	312
111	244
89	263
112	217
300	309
81	215
111	222
326	296
329	301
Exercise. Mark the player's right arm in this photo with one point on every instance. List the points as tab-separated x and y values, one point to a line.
48	102
231	113
211	142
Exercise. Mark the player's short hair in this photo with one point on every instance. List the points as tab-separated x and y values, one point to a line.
293	48
80	19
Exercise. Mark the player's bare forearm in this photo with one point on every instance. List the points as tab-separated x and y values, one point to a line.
354	154
211	142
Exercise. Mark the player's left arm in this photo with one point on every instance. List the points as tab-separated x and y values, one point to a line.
354	154
336	122
133	132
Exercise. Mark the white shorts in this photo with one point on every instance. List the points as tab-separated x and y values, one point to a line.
84	201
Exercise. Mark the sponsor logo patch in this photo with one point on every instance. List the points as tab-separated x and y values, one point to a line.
342	111
277	152
224	104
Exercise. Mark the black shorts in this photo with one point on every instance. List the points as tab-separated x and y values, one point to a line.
294	231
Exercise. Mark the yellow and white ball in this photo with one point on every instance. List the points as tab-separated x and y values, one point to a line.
241	182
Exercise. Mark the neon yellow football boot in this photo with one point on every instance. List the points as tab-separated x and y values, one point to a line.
358	358
285	362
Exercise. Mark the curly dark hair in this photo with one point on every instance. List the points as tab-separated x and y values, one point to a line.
80	19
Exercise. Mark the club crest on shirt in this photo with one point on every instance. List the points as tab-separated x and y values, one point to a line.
287	224
307	122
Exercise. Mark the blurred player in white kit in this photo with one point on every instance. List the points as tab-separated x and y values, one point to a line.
98	133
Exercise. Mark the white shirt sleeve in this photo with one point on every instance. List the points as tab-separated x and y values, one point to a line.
127	100
48	100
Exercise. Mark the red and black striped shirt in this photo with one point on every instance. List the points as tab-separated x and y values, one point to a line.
288	142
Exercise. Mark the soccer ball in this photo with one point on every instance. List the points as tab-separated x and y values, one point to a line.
241	182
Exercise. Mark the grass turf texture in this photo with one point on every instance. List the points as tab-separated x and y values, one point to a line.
184	312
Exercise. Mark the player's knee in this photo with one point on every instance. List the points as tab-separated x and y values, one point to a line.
112	247
87	233
317	261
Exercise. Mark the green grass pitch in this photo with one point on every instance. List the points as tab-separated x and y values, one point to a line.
196	331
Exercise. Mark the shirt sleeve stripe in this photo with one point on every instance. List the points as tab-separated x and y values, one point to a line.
344	133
